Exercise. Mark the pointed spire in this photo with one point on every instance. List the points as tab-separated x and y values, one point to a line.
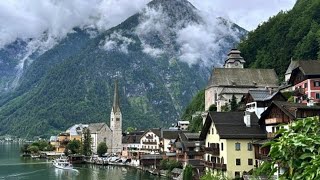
116	103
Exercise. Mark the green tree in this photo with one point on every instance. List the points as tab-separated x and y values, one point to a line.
213	107
102	148
33	149
188	173
74	146
130	129
86	143
233	103
167	164
296	151
225	108
195	124
24	148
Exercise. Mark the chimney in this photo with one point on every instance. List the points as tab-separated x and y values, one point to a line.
247	119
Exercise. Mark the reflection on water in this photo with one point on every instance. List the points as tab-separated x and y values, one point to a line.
14	167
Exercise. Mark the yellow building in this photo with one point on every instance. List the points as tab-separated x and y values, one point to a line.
228	140
63	140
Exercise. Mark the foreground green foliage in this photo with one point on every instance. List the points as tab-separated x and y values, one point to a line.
211	176
188	173
102	149
297	151
294	34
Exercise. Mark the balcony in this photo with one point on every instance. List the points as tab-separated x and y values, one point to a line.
273	121
149	142
212	165
212	150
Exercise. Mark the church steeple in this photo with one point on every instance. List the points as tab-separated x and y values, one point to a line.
234	59
115	106
116	122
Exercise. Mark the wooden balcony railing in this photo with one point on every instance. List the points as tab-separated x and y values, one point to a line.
212	150
212	165
149	142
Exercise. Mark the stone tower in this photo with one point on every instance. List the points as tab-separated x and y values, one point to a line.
234	59
116	122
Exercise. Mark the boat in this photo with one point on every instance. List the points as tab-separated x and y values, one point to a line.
62	163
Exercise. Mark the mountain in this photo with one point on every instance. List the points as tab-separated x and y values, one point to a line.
294	34
161	56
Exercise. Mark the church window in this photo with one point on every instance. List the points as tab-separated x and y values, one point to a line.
117	119
111	119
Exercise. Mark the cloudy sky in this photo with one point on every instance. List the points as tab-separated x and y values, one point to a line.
30	18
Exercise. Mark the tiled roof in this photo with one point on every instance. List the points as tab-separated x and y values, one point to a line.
170	134
95	127
230	125
240	77
262	94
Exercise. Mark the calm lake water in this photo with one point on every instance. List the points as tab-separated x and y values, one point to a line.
14	167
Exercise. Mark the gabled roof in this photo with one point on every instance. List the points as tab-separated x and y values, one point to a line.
288	108
95	127
263	94
311	67
230	125
170	134
132	138
243	77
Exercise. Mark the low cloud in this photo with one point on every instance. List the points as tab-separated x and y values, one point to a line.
116	41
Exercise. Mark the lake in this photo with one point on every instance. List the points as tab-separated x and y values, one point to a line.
14	167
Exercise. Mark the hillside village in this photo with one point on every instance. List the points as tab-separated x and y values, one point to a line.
230	142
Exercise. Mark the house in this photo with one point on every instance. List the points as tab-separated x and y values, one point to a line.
131	144
258	100
167	139
63	139
150	141
228	140
76	130
305	79
281	112
235	80
188	149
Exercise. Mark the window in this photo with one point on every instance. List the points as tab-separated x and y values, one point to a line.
221	146
305	85
212	131
238	162
249	146
317	95
237	146
237	174
250	162
316	83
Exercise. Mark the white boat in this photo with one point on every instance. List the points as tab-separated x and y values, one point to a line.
62	163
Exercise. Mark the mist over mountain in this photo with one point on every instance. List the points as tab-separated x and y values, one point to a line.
161	56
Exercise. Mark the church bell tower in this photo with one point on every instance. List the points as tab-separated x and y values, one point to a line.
116	122
234	60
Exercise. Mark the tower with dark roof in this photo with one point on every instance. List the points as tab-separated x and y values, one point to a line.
234	60
116	122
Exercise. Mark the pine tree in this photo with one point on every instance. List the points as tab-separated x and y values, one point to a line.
86	143
233	103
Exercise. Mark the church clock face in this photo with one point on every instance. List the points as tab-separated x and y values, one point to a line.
236	63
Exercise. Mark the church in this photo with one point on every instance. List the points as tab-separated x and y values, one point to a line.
235	80
101	132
